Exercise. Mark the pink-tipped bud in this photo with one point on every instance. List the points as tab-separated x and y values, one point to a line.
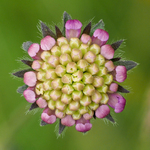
34	50
102	111
113	87
68	121
86	39
110	66
41	102
107	51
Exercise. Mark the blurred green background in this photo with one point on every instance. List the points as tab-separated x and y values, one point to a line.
127	19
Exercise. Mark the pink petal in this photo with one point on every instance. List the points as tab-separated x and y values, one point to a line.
47	43
85	39
113	87
120	73
107	51
110	66
30	78
68	121
117	102
41	102
33	50
73	28
102	111
29	95
36	65
100	37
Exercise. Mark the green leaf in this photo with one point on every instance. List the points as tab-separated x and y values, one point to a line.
122	89
58	32
22	88
115	59
46	31
27	62
99	25
127	63
61	127
117	44
66	17
26	45
43	123
33	106
110	118
87	29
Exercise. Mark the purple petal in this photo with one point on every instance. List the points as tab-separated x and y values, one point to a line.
102	111
30	78
100	37
107	51
33	50
29	95
120	73
48	116
68	121
73	28
117	102
47	43
41	102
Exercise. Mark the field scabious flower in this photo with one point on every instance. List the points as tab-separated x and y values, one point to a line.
74	76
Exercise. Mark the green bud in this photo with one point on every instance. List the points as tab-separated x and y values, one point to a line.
53	61
60	70
65	98
68	111
41	76
55	95
102	89
56	51
47	85
95	49
74	105
104	99
84	48
100	60
108	78
89	90
50	74
59	114
83	109
93	69
51	104
45	55
66	49
67	89
65	59
90	57
78	86
67	79
45	66
96	97
47	95
71	67
87	78
82	65
93	106
98	81
56	84
62	41
102	71
76	55
77	95
39	88
77	76
60	105
76	115
74	43
85	101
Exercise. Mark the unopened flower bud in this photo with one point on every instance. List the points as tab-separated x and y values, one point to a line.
84	48
60	70
52	104
65	98
53	60
74	43
74	105
76	54
98	81
71	67
45	55
62	41
87	78
66	49
55	95
56	84
77	76
65	59
96	97
85	101
56	51
89	90
100	60
82	65
77	95
67	89
67	79
50	74
93	69
95	49
90	57
78	86
60	105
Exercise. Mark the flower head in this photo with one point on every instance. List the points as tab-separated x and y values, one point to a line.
74	77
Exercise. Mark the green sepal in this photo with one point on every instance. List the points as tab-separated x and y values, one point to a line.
99	25
116	59
66	17
127	63
27	62
46	30
117	44
26	45
122	89
21	73
21	89
58	32
87	29
43	123
33	106
110	118
61	127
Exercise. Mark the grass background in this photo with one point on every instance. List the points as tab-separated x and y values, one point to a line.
127	19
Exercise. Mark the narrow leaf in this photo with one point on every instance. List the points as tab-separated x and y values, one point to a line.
27	62
43	123
117	44
127	63
87	29
22	88
110	118
26	45
116	59
94	116
122	89
61	127
58	32
33	106
21	73
46	31
66	17
99	25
